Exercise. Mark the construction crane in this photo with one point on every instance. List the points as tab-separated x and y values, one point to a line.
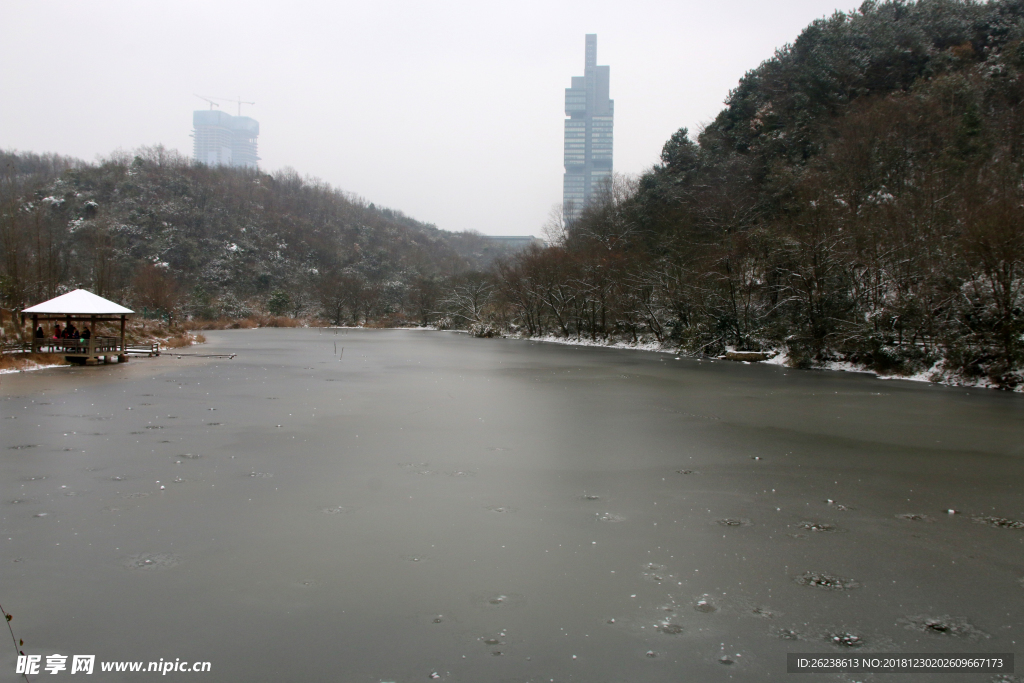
210	100
238	100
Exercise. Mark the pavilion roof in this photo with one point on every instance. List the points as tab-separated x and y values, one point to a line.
79	302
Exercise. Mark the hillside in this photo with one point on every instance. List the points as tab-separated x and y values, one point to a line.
159	232
859	199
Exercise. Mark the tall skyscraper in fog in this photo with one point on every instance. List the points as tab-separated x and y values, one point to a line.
220	139
588	134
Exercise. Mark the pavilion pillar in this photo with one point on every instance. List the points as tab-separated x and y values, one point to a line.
122	332
35	341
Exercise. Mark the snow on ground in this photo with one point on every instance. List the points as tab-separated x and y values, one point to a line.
933	375
640	346
29	366
844	366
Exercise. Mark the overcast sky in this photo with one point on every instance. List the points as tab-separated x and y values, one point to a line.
449	110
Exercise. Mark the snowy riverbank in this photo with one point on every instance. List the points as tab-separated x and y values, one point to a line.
936	374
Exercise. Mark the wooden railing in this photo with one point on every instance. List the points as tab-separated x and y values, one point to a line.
95	346
144	349
15	347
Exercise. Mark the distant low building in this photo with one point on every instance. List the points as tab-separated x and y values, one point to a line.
220	139
517	242
480	251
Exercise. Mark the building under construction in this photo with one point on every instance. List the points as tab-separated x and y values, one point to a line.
220	139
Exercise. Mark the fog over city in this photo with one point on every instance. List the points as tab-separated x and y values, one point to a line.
448	111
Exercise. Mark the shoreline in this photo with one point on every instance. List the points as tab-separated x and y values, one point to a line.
933	375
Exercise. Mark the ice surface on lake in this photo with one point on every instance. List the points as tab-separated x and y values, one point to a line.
500	510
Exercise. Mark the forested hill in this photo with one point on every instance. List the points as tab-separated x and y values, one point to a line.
157	231
860	198
884	47
937	78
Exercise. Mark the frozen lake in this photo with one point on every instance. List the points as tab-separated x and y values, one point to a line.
498	510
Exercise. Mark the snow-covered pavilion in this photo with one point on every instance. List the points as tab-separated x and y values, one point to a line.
84	307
